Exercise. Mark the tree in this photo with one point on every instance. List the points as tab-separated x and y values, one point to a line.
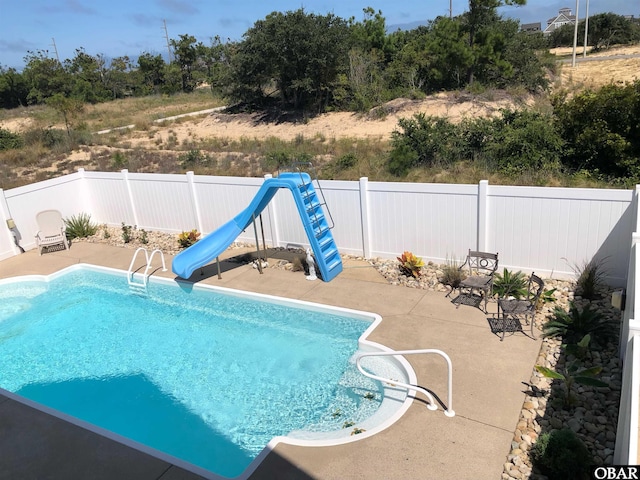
371	33
483	42
608	29
68	107
218	60
300	54
13	88
602	130
118	77
186	52
88	77
44	76
151	72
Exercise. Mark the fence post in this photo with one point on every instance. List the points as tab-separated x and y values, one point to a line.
273	216
5	215
194	199
125	177
483	186
364	215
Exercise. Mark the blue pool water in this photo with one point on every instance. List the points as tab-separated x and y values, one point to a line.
204	376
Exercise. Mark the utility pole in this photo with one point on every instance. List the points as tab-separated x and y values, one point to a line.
575	36
166	37
55	49
586	30
450	8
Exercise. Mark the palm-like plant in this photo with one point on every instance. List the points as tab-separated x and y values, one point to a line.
510	284
80	226
571	374
575	324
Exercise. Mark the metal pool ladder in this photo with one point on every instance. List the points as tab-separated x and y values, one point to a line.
145	275
448	410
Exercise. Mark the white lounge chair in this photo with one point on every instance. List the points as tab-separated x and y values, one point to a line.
51	230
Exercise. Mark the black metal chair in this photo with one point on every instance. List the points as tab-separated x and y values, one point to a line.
514	309
481	267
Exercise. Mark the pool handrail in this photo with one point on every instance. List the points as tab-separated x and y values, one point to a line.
149	260
448	411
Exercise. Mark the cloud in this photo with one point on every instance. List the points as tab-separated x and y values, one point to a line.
143	20
17	46
69	6
179	6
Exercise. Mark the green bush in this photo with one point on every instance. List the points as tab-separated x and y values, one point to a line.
80	226
346	161
193	158
452	275
562	455
573	325
9	140
524	141
601	129
47	137
127	233
509	284
591	278
428	141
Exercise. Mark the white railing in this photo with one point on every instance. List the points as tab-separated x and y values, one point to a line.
448	408
149	260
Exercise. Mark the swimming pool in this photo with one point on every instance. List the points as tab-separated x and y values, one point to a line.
81	342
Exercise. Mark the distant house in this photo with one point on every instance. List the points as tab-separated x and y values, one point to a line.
531	27
564	17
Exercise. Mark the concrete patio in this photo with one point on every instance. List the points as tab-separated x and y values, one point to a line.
488	387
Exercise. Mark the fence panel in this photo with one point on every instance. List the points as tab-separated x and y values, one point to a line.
436	222
109	201
555	230
162	202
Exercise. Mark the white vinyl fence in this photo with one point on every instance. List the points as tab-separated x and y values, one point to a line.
626	451
547	230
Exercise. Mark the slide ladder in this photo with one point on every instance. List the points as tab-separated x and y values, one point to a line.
145	276
317	225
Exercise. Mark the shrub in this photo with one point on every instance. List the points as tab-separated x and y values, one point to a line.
561	455
118	160
573	373
451	274
186	239
591	278
410	264
126	233
424	141
80	226
572	326
348	160
9	140
193	158
510	284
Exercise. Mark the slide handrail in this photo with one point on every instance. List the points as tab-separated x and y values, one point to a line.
448	410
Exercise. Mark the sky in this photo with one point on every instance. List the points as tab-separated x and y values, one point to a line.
116	28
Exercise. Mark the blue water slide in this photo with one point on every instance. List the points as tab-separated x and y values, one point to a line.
311	213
